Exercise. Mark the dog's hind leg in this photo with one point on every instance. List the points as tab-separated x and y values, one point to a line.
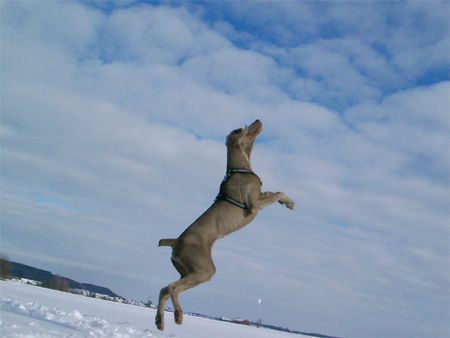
196	266
159	319
183	284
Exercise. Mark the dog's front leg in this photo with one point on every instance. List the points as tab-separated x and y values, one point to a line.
269	197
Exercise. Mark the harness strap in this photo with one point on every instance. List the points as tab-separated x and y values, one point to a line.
224	197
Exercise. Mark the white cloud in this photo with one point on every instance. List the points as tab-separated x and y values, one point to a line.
70	27
344	54
159	35
413	122
337	77
237	72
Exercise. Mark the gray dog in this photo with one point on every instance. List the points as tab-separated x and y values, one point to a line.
239	200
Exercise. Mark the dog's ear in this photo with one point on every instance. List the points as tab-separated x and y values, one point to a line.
232	141
233	137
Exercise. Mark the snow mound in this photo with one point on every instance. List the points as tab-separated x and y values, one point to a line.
35	320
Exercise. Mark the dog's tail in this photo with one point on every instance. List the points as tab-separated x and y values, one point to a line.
168	242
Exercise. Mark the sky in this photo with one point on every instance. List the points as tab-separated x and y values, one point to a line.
113	124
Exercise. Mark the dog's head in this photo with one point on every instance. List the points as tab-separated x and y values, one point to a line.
244	137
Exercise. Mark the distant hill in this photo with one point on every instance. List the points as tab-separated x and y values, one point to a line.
25	271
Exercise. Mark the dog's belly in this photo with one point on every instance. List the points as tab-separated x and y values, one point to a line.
221	219
227	226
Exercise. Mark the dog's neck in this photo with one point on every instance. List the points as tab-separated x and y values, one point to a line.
237	158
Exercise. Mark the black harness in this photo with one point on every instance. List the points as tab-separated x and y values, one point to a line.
224	197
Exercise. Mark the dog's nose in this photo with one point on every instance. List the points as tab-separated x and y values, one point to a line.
256	127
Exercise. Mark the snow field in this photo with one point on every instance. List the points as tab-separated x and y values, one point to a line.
30	311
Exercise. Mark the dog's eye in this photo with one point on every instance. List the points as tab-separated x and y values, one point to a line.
237	131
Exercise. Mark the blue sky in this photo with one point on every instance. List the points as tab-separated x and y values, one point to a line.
114	117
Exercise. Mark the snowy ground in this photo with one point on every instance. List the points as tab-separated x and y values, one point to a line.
31	311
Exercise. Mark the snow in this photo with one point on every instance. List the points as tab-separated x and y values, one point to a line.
32	311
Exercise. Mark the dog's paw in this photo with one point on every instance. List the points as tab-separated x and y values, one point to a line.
288	203
178	317
159	321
